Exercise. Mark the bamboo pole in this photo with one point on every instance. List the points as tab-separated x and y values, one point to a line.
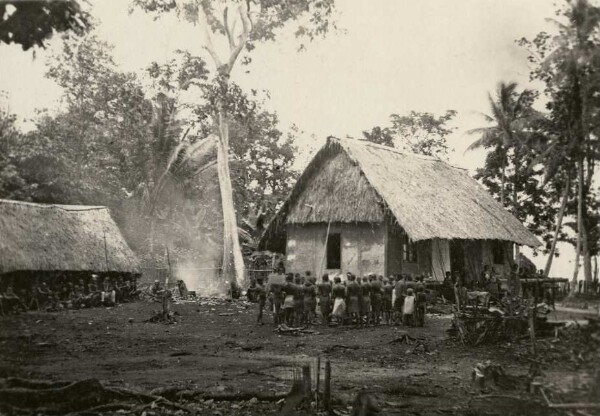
317	382
166	300
323	266
532	311
105	251
306	380
327	387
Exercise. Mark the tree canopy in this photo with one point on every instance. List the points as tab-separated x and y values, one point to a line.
30	23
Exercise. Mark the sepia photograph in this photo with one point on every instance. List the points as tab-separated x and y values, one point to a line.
299	207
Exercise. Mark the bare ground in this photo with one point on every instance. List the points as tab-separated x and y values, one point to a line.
217	347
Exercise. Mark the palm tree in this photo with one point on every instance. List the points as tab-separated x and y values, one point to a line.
511	112
568	64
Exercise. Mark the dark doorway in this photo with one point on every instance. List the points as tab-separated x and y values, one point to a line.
457	256
334	251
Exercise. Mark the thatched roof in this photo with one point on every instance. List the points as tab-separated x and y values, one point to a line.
352	180
61	238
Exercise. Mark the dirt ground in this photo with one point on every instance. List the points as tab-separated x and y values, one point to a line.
217	347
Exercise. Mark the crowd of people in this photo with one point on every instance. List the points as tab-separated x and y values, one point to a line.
64	292
297	299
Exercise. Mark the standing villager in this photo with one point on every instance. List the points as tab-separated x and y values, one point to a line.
420	305
460	292
399	293
276	291
324	289
408	308
288	304
376	299
493	285
448	287
261	297
310	299
366	300
298	300
484	278
353	293
339	300
514	283
388	290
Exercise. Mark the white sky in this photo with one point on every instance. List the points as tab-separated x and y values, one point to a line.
395	56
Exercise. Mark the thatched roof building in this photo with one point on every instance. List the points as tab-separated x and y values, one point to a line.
428	197
354	181
47	237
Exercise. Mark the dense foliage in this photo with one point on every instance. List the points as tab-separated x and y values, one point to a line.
417	132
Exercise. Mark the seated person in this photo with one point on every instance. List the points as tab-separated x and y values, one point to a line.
94	294
493	285
156	289
132	291
183	292
119	290
44	295
77	297
11	302
109	295
34	303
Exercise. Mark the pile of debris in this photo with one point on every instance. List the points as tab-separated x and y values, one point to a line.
283	329
91	397
575	344
502	321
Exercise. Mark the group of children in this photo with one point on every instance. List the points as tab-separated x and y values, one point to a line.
370	300
65	293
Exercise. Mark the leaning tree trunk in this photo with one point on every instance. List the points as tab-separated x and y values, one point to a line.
233	261
561	213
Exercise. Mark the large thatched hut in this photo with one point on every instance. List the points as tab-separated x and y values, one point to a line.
362	207
43	240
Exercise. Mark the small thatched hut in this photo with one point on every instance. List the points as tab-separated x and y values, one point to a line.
362	207
45	239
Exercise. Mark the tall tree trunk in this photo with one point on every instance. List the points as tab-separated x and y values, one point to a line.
561	213
233	261
581	225
503	181
232	253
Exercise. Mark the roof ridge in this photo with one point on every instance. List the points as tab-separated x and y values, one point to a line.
363	142
64	207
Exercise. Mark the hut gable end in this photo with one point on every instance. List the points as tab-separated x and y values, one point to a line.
336	191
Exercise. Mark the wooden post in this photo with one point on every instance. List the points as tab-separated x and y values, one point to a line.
307	382
318	383
166	297
105	251
327	387
532	311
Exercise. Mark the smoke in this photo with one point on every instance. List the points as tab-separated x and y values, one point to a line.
205	281
187	221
